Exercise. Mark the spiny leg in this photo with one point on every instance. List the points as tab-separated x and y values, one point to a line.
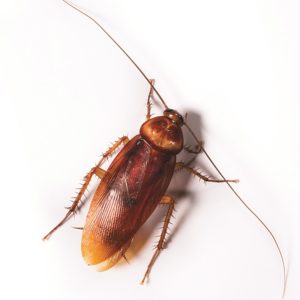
94	171
180	165
75	204
166	199
99	172
150	95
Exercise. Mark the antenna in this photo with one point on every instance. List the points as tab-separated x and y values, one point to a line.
121	48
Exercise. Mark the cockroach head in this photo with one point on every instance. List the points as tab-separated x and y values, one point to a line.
174	116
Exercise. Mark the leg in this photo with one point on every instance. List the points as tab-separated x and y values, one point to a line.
161	243
99	172
94	171
148	115
180	165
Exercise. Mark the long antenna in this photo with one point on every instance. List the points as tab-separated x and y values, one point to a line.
244	203
193	135
122	49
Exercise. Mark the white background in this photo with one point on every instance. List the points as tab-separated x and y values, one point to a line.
67	93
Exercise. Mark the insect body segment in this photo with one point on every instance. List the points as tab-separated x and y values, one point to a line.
163	134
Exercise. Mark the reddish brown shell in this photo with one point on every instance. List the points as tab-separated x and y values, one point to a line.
127	195
163	134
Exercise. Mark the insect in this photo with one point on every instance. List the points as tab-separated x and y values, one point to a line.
136	182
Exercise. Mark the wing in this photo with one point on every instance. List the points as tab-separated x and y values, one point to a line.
127	195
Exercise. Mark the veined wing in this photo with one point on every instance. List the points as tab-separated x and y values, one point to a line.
126	197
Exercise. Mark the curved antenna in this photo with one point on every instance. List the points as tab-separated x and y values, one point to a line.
121	48
244	203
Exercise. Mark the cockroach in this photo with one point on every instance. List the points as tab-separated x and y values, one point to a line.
136	182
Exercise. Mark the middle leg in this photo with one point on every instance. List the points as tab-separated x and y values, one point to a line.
180	165
94	171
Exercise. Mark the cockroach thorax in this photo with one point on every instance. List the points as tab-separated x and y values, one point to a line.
164	133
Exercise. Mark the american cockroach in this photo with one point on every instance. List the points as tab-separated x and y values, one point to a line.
136	182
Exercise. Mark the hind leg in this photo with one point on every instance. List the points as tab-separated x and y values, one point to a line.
168	200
